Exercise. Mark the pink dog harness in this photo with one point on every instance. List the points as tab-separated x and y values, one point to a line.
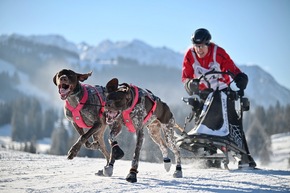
76	111
126	113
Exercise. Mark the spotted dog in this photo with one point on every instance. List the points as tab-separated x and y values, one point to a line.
84	107
137	109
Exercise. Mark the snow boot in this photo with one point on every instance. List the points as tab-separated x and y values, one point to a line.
167	164
178	172
132	176
117	152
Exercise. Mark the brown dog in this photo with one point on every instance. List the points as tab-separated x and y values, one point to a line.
137	109
84	108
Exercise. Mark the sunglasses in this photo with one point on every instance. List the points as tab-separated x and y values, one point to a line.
200	46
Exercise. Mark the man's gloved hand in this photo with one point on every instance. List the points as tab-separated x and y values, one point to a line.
192	86
241	81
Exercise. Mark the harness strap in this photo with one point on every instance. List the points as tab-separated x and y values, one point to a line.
150	113
126	113
76	111
102	101
214	53
218	81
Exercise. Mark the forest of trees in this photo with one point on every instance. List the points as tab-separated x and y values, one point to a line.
29	123
261	123
27	118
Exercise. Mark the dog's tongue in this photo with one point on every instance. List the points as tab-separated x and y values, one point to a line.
111	115
63	93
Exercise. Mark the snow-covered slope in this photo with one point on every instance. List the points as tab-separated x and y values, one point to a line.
24	172
281	147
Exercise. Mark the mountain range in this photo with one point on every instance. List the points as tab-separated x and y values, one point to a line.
35	59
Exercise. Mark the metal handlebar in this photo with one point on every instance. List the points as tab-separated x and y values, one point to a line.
217	72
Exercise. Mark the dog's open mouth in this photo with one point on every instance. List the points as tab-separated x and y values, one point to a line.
111	116
64	91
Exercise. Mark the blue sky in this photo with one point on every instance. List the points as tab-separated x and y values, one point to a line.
251	31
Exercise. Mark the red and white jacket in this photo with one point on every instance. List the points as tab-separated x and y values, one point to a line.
216	58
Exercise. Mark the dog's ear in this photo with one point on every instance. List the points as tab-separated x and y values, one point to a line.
83	77
54	79
112	85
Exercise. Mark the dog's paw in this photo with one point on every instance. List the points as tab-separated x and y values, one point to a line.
167	164
117	152
88	145
70	157
108	171
100	173
178	172
74	151
95	145
71	154
132	176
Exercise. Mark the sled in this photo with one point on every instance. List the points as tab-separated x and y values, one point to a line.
218	133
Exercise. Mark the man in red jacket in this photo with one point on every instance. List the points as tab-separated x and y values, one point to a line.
220	118
205	56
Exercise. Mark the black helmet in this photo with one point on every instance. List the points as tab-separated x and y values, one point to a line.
201	36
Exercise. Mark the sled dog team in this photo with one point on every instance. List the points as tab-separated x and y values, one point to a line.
116	105
96	107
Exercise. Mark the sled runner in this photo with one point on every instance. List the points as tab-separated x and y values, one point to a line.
218	130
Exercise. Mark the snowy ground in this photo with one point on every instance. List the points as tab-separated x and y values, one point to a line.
24	172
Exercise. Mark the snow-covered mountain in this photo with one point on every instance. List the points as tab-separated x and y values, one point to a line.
49	40
40	57
134	50
263	89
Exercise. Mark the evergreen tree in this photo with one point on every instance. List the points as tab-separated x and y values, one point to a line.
34	118
49	120
5	113
286	118
258	141
26	119
59	140
18	129
30	146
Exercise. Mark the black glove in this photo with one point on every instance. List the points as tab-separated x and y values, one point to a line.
241	81
192	86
